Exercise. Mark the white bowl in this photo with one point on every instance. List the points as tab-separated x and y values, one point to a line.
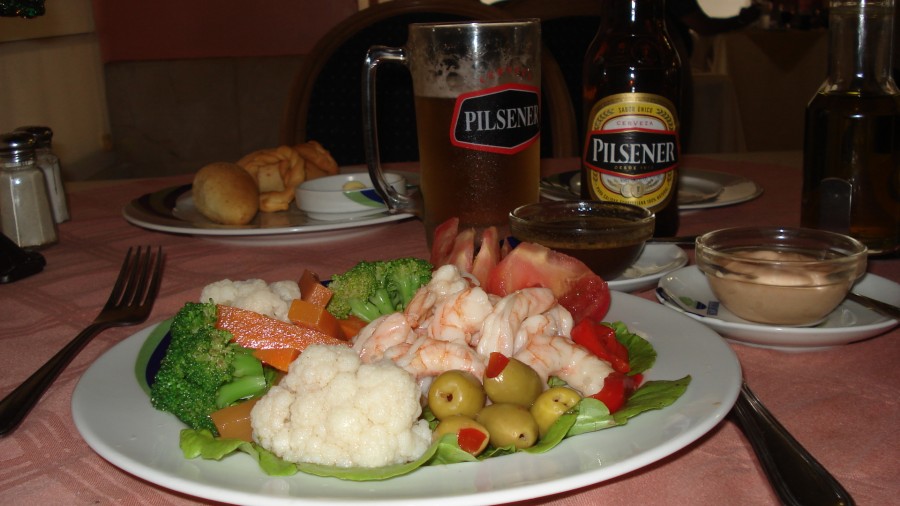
327	198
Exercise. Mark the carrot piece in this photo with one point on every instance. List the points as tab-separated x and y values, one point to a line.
351	325
234	421
307	314
280	358
312	290
260	332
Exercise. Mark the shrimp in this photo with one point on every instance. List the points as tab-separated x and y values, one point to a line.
458	317
382	334
498	332
427	357
445	281
557	355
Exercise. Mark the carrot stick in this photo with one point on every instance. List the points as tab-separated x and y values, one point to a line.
234	421
260	332
312	290
280	358
351	325
307	314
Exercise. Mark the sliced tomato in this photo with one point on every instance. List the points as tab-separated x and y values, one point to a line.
463	252
442	243
488	255
601	340
617	387
578	289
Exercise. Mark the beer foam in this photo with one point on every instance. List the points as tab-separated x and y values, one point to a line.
446	69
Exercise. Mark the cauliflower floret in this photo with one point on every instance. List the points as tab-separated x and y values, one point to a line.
332	409
254	294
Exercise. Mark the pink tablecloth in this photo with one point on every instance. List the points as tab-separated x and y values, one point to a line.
840	403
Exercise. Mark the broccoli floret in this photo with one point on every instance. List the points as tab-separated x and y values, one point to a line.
372	289
404	278
202	370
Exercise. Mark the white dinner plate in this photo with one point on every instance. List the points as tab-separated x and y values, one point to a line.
172	210
698	188
655	261
848	323
114	416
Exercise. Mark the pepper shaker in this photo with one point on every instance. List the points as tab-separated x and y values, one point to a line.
25	213
49	163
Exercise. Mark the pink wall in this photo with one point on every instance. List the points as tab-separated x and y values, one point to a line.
179	29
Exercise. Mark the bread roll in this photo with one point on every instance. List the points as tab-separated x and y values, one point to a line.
225	193
319	162
265	165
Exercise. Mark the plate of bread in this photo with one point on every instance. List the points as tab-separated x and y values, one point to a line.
252	198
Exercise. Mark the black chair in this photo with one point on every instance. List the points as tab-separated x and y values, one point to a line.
325	102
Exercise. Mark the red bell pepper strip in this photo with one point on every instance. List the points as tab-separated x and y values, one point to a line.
617	387
496	363
601	341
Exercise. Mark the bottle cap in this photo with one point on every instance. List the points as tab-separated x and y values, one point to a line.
42	135
17	146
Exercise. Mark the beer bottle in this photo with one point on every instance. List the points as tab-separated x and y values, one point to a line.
851	150
632	94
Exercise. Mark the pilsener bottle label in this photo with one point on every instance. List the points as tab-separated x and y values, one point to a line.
505	119
631	151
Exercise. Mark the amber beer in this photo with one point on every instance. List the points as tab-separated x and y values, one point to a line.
632	98
478	116
480	187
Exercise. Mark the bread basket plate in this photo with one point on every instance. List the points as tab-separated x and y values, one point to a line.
172	210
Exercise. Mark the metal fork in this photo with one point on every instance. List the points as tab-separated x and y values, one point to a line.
129	303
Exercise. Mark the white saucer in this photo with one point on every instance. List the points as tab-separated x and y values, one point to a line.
655	261
848	323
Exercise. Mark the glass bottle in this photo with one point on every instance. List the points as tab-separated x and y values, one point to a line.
851	150
49	163
25	214
632	95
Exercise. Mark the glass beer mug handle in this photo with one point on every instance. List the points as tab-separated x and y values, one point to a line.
397	202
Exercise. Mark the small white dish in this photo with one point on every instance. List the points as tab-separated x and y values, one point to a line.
654	262
344	196
848	323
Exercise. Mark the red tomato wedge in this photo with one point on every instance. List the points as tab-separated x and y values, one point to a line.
442	242
578	289
488	255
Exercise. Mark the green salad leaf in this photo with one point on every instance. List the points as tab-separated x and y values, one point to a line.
588	415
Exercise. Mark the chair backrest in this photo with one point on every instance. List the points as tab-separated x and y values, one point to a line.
325	99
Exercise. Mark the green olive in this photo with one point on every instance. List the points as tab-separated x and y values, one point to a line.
455	393
551	404
509	424
517	383
454	424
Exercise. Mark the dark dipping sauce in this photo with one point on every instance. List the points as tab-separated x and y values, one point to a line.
607	237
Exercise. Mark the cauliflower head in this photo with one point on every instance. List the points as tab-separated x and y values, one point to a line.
254	295
331	409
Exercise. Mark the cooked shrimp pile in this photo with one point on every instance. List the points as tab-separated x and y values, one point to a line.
452	323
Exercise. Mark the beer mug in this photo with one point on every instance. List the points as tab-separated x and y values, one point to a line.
477	102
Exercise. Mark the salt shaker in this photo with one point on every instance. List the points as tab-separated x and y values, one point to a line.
25	213
49	163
